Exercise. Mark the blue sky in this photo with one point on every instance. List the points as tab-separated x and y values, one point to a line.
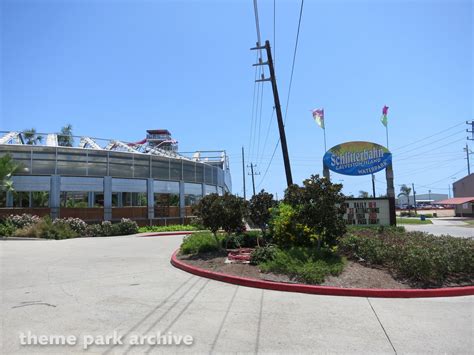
116	68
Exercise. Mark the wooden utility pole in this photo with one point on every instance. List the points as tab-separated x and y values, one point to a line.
253	173
243	173
276	97
467	157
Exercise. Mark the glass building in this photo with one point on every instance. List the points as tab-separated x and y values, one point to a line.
121	180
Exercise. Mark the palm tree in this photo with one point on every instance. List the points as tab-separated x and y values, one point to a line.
65	138
405	191
31	137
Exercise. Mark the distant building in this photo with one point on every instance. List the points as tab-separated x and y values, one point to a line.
464	188
429	198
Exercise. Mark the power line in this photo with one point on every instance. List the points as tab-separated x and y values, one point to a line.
441	146
289	89
430	143
423	139
294	60
266	135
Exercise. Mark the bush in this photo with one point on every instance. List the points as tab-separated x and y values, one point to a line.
107	229
244	240
7	229
286	231
76	224
260	209
21	221
45	228
127	226
316	214
308	265
422	258
93	230
172	228
263	254
202	242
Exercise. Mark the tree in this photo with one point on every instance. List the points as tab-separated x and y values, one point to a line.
7	168
363	194
405	191
260	210
65	138
320	207
233	214
31	137
210	212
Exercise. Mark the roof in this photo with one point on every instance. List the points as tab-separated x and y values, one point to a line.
455	201
158	131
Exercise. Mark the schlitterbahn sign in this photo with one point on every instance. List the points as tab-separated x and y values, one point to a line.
357	158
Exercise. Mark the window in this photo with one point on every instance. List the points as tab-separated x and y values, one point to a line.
129	199
74	199
21	199
192	194
39	199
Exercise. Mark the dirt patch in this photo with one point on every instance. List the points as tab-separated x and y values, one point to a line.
355	275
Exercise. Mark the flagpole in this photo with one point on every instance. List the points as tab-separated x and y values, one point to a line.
324	130
386	133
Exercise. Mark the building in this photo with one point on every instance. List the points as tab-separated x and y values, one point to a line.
464	188
428	199
147	181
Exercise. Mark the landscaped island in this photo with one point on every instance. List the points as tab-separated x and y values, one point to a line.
303	239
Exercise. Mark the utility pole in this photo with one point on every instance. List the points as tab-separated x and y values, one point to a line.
467	157
470	123
373	185
243	173
429	196
253	175
276	97
414	197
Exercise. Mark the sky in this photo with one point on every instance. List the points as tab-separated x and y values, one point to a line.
114	69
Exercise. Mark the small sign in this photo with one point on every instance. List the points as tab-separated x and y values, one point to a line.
357	158
367	212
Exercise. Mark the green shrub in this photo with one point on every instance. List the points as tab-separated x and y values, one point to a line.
303	264
263	254
46	229
172	228
107	229
422	258
201	242
76	224
93	230
285	230
21	221
127	226
7	229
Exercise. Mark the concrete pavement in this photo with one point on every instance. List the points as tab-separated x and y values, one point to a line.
94	286
452	226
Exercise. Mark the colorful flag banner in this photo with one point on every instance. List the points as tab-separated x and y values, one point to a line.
318	116
384	118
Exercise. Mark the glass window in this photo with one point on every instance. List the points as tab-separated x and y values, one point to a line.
98	199
211	189
161	168
208	174
175	170
129	199
97	164
120	166
21	199
141	166
189	171
166	187
3	198
72	163
39	199
199	173
192	194
74	199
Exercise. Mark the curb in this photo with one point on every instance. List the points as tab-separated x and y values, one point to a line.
157	234
323	290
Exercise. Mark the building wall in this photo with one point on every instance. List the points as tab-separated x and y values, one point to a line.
464	187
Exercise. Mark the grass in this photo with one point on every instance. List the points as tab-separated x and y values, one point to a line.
304	264
200	242
412	221
470	223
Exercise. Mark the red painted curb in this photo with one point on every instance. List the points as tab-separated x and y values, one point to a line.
157	234
323	290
